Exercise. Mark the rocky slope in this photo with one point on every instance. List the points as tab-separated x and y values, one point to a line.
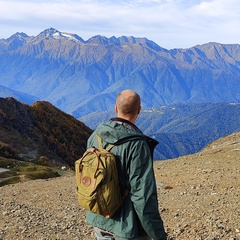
198	196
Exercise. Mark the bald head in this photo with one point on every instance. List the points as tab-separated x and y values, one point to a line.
128	105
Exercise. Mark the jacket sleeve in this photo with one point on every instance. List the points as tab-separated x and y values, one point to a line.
143	191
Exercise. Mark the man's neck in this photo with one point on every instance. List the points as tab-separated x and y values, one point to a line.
125	121
128	118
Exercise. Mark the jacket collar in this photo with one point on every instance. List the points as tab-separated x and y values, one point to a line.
151	142
126	123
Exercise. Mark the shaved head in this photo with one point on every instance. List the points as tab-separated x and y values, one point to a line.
128	104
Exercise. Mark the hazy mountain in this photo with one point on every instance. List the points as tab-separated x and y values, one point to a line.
81	77
20	96
181	129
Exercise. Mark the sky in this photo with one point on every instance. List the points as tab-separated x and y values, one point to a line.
169	23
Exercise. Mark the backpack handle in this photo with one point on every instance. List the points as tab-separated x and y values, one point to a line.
99	139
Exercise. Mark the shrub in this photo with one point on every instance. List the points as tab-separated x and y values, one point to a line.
36	171
12	180
7	162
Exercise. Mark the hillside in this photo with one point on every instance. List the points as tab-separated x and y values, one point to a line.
41	131
81	77
198	197
20	96
29	133
181	129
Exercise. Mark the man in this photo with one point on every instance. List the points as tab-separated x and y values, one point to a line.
138	217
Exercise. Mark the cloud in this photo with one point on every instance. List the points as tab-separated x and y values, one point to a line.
170	23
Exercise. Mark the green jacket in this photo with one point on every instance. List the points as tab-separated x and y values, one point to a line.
139	214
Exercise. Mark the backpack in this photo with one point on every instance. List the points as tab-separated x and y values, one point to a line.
97	179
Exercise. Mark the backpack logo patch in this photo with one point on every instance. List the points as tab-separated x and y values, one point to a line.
86	181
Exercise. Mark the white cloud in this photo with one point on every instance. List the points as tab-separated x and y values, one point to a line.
169	23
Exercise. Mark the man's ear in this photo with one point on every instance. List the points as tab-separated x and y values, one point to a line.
139	109
115	108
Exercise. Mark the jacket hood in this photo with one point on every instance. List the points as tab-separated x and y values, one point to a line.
112	132
117	132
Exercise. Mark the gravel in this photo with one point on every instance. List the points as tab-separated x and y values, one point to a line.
198	199
42	209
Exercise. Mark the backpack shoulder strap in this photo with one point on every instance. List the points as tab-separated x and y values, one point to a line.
99	139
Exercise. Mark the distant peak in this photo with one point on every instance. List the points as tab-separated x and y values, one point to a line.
22	35
55	34
18	35
16	40
48	32
98	39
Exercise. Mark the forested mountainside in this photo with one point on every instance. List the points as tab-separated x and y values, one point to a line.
40	132
181	129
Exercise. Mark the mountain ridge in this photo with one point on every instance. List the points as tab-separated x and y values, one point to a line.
181	129
73	75
20	96
40	130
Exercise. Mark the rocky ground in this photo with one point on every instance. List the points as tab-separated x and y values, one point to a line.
199	197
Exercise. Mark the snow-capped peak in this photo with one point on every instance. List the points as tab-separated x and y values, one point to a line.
53	33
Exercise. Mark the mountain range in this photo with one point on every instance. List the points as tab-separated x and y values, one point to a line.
81	77
190	97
